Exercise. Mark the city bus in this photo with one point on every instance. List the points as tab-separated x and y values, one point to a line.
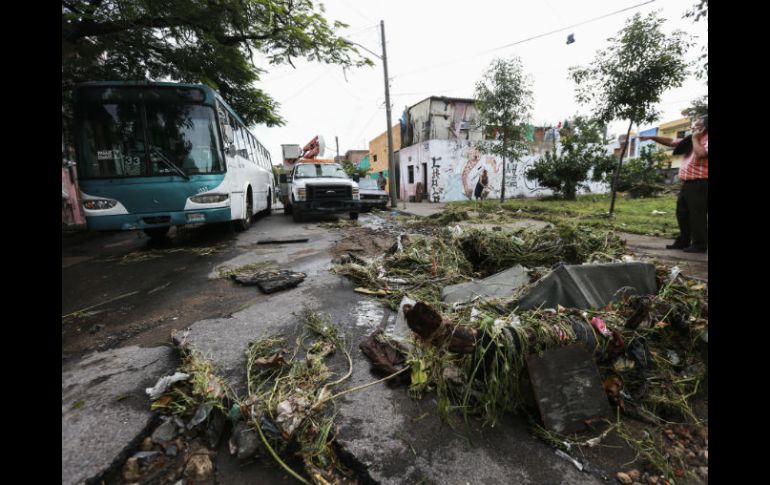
151	155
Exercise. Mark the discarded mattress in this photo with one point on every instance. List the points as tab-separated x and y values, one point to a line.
590	285
270	281
499	285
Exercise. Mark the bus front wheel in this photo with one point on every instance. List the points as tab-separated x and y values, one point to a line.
245	223
157	232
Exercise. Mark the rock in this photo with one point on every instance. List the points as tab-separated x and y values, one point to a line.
165	432
147	444
146	457
634	474
171	450
705	455
95	328
653	479
624	478
131	470
199	468
703	471
246	440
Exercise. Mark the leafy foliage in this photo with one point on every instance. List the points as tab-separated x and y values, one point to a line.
582	154
504	100
351	169
213	42
626	80
642	177
701	10
698	107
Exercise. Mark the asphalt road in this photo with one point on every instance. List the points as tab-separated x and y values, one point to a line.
122	296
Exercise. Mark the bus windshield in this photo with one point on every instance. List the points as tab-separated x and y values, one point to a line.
312	170
132	137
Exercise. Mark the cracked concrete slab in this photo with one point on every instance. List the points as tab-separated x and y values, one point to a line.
104	407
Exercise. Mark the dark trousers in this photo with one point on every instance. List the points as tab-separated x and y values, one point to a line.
692	213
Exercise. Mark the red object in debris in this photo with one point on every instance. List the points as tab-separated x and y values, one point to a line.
599	325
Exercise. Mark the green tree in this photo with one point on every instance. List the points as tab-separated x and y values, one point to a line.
213	42
504	100
698	11
350	168
582	155
626	80
698	107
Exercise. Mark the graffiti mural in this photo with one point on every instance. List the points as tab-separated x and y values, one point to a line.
455	167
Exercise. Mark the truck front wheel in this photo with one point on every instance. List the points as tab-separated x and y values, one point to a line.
354	216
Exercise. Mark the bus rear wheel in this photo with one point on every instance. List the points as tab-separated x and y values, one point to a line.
157	232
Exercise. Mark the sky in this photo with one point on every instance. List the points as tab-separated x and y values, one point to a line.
442	48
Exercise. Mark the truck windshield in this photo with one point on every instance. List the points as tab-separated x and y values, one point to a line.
314	170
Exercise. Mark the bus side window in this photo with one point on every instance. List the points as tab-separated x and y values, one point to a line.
252	155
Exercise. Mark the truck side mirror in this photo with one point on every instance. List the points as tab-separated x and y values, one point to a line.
282	178
231	151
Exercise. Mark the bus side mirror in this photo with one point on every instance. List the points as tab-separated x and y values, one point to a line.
282	178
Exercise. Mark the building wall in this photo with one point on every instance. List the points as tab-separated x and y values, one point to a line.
355	156
454	176
378	151
675	129
439	118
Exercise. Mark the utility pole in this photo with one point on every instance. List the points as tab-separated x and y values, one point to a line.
391	162
337	141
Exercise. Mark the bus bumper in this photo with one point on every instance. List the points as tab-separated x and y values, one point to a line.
128	222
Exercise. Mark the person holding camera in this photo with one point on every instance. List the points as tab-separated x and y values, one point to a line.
692	203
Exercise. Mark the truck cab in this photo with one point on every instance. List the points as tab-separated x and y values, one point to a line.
317	187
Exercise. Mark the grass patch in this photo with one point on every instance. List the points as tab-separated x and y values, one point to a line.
638	216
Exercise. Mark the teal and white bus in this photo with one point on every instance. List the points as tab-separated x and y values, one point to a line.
152	155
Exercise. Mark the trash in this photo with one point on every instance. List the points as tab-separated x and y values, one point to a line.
422	319
577	464
567	388
589	285
145	457
367	291
200	415
673	357
180	339
657	212
270	281
641	306
291	412
502	284
283	241
163	384
384	354
600	326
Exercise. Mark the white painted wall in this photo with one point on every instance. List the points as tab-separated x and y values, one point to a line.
454	176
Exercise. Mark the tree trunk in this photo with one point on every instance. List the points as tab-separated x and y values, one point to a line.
502	185
617	169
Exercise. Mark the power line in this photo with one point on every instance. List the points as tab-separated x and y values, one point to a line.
472	56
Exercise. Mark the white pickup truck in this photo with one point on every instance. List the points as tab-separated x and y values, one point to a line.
316	186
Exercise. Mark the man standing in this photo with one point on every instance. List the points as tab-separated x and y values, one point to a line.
692	203
382	182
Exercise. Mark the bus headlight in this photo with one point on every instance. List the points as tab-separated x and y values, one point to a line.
356	192
209	198
99	204
301	194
